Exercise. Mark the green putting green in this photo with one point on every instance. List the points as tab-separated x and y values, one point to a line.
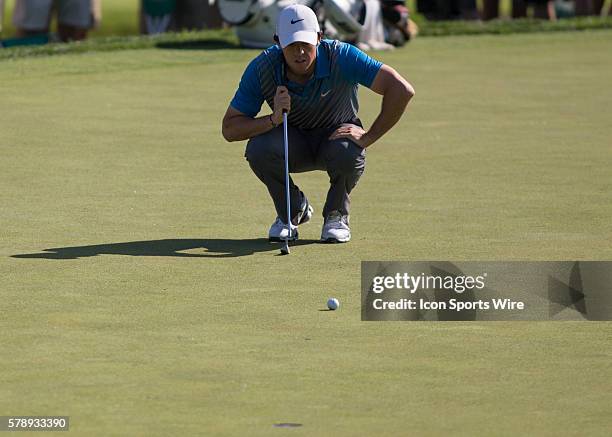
139	296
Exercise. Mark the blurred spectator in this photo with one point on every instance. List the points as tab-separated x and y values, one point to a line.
490	9
448	9
396	14
591	7
74	17
543	9
157	15
1	14
184	15
546	9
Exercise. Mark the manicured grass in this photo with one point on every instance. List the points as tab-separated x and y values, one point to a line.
140	298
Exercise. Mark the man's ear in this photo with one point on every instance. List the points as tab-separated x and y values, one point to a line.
320	37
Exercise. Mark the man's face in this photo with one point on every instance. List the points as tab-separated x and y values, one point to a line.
300	57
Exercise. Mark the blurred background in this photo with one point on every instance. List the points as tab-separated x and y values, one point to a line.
375	21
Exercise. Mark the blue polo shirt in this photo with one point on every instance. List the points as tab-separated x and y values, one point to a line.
328	99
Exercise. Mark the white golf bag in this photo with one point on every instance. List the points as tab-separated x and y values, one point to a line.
255	20
356	21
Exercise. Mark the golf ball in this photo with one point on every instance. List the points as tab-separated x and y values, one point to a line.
333	303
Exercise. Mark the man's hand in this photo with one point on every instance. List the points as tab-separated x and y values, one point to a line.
282	101
352	132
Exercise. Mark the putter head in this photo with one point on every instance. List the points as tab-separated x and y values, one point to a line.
285	249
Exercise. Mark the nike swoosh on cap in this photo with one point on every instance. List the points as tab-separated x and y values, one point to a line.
296	21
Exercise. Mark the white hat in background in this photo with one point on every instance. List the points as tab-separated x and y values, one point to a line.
297	23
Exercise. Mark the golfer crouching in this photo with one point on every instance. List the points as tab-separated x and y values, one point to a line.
315	81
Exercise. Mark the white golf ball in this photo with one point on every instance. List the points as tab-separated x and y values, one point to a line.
333	303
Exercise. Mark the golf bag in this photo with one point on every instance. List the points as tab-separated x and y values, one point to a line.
254	21
357	21
372	24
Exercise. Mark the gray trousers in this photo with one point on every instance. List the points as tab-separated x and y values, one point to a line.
309	150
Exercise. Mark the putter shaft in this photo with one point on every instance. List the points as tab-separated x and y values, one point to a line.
286	140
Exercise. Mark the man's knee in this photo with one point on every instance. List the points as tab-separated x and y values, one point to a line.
346	157
262	148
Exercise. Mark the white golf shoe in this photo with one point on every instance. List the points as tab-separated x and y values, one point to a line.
279	232
336	228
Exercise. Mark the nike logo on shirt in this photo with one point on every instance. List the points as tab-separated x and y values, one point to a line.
326	93
296	21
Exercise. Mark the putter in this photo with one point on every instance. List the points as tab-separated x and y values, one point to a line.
285	249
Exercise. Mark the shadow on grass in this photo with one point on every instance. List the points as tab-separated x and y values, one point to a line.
195	44
186	248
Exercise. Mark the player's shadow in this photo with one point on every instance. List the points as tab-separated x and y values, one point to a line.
186	248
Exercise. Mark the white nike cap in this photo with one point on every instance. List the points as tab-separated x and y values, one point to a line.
297	23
